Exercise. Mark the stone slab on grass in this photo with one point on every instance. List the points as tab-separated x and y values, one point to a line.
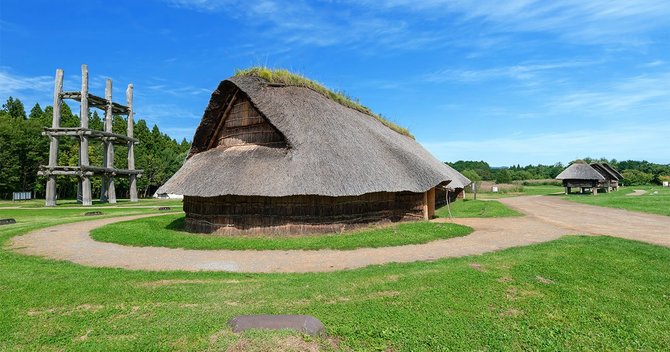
7	221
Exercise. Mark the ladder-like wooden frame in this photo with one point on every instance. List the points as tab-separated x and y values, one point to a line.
84	170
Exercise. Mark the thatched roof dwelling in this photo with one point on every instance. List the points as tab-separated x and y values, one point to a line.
611	170
580	170
580	175
454	190
612	177
278	158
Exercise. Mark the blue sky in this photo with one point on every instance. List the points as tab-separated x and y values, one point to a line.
513	82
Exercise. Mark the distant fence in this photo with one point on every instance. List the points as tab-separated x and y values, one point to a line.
22	196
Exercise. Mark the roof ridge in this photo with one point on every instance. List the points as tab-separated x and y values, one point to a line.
285	78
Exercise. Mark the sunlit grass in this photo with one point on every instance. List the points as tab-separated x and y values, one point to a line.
167	231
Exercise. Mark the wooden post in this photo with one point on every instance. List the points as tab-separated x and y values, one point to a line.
594	189
85	182
53	145
431	203
108	190
425	205
131	145
566	190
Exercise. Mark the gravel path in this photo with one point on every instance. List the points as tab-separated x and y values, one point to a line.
547	218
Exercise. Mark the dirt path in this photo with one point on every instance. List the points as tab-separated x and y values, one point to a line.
547	218
637	192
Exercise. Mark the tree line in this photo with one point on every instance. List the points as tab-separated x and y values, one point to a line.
634	172
23	149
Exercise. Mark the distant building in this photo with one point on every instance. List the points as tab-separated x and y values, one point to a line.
589	177
612	177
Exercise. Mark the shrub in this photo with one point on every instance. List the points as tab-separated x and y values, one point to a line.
636	178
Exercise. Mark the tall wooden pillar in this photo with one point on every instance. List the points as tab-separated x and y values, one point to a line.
85	181
131	145
108	192
431	202
53	145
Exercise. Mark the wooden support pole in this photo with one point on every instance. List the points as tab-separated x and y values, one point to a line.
431	203
85	182
53	145
131	145
108	192
425	205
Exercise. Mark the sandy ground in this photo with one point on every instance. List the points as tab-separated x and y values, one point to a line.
546	219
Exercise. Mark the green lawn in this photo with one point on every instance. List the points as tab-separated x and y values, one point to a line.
533	190
655	201
469	208
166	231
576	293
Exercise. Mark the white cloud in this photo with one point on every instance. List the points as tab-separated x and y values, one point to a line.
594	21
13	84
524	71
631	94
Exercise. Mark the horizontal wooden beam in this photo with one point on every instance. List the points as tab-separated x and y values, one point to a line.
84	170
81	131
64	173
97	102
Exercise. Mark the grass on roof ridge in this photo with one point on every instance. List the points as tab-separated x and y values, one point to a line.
283	76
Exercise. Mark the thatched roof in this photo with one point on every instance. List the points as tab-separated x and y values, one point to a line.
607	172
285	77
612	170
333	150
580	171
459	181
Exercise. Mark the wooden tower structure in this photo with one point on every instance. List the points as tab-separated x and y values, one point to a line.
84	171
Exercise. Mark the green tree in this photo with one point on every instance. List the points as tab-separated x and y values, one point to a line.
14	108
503	176
636	177
472	175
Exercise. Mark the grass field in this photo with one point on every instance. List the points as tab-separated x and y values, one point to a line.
469	208
534	190
655	201
576	293
166	231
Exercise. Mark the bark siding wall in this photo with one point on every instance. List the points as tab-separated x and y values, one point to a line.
233	215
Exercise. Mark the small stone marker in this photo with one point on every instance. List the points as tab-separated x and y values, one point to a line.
303	323
92	213
164	208
7	221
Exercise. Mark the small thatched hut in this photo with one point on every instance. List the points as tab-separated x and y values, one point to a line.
612	177
456	188
580	175
278	158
